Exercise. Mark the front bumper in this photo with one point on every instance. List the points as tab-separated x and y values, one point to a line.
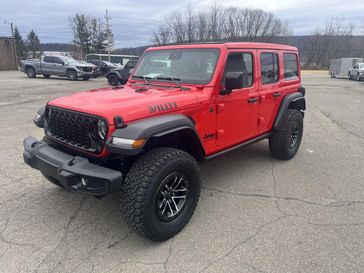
73	172
81	73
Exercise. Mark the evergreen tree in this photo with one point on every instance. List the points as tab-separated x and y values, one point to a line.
33	44
98	36
21	49
80	26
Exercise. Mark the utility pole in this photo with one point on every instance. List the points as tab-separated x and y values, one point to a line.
108	33
98	37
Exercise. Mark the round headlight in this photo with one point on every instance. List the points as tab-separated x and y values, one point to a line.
101	129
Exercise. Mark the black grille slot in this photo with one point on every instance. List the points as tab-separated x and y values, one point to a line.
87	69
73	128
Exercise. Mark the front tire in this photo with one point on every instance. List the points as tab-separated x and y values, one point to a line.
31	72
160	193
284	142
113	80
86	78
72	75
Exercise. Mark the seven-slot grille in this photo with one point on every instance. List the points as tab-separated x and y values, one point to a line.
72	128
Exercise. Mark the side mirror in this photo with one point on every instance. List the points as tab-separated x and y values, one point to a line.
233	80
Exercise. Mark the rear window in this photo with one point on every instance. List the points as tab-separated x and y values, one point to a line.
290	66
269	68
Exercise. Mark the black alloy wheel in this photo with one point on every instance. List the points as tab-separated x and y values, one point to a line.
171	196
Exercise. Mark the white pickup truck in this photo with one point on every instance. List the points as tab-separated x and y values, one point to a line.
57	65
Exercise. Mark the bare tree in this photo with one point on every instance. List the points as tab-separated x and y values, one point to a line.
218	23
334	40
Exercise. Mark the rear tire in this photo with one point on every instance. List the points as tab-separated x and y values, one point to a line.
357	78
349	76
86	78
284	142
31	72
113	80
160	193
72	75
47	76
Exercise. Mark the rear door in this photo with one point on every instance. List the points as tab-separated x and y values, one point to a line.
270	89
237	111
280	75
47	65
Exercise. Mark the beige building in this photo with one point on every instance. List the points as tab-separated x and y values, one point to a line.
7	54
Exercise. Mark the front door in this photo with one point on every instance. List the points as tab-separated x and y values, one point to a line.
237	111
58	66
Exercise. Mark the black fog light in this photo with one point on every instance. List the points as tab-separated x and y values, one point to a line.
84	181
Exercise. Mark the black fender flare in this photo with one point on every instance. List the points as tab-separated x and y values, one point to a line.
27	66
292	101
156	127
70	69
113	72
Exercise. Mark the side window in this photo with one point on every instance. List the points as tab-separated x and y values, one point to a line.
58	60
290	64
48	59
269	68
241	62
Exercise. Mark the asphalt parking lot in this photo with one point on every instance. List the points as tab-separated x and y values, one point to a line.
256	213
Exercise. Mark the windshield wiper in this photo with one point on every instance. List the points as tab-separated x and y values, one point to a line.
175	80
145	78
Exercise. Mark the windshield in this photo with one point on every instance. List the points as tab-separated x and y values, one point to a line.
69	60
182	65
108	63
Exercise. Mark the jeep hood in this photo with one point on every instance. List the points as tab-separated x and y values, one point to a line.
130	102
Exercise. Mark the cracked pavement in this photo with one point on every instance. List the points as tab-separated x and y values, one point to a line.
256	213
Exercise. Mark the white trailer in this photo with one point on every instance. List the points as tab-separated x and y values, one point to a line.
340	67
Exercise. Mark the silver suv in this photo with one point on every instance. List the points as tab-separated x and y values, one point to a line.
57	65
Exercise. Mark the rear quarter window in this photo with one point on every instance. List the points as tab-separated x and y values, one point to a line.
290	63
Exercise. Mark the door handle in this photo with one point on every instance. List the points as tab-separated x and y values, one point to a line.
252	100
277	94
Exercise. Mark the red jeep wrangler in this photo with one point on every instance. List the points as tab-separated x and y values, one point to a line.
182	105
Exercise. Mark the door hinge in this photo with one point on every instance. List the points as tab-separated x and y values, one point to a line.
260	120
219	134
220	107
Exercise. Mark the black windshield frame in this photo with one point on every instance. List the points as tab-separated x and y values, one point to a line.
215	51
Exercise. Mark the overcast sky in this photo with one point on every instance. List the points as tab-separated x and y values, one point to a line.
133	22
